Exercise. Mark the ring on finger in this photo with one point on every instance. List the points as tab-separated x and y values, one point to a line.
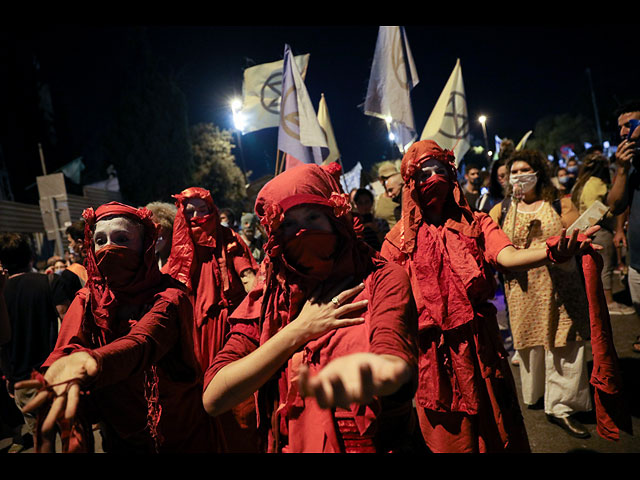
335	301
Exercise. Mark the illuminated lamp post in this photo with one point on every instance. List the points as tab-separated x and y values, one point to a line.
239	124
483	120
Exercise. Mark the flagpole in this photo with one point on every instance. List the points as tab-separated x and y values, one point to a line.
277	162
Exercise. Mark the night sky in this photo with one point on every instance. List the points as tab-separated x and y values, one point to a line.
515	75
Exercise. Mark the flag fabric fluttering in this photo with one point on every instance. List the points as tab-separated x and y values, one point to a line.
393	75
523	140
352	178
73	170
261	93
300	136
325	123
448	124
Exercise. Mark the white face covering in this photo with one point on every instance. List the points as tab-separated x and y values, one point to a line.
523	183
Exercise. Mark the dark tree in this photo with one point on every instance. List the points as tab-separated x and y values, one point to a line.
148	140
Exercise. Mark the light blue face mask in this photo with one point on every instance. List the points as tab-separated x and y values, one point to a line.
572	169
564	179
225	224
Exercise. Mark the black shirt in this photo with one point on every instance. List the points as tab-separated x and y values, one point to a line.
34	323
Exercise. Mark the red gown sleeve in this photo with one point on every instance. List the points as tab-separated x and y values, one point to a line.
243	338
148	341
242	257
495	239
393	317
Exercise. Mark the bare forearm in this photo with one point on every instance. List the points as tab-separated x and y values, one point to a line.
616	196
511	258
238	380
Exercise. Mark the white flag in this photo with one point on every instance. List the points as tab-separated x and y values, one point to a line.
325	123
261	92
523	140
448	124
393	75
299	133
352	178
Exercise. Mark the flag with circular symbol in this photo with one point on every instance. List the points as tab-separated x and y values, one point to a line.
261	91
448	124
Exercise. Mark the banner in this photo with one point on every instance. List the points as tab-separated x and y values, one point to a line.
299	133
393	75
261	92
352	178
325	123
73	169
448	124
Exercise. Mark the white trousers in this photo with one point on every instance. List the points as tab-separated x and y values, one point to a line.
634	288
558	374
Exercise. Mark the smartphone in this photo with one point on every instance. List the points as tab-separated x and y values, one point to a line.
633	124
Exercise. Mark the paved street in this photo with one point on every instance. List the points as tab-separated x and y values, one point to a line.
546	437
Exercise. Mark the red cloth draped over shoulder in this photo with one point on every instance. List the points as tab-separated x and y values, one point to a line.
612	413
208	258
281	293
153	353
463	365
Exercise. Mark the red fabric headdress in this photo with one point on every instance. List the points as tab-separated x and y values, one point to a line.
459	215
181	260
284	288
140	290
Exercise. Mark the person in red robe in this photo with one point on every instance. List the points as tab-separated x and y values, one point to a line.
466	398
218	269
327	338
124	358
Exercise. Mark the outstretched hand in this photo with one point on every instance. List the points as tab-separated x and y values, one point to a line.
355	378
62	382
570	246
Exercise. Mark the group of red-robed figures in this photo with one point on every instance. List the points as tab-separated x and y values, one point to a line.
327	346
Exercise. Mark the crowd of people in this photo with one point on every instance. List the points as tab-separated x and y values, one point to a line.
330	321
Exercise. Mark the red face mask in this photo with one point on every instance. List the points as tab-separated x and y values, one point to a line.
202	228
433	193
312	251
119	265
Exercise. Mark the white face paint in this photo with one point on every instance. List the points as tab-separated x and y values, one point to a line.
196	208
119	231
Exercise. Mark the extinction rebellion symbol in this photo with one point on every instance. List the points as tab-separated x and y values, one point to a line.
460	122
290	119
271	92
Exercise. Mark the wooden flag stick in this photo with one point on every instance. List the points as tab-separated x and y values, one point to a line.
277	162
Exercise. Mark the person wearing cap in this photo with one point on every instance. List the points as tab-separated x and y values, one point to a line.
124	357
387	204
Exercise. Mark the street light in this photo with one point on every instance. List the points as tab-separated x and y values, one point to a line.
239	124
483	120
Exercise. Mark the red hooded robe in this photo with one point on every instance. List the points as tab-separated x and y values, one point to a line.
208	258
289	422
147	393
466	398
